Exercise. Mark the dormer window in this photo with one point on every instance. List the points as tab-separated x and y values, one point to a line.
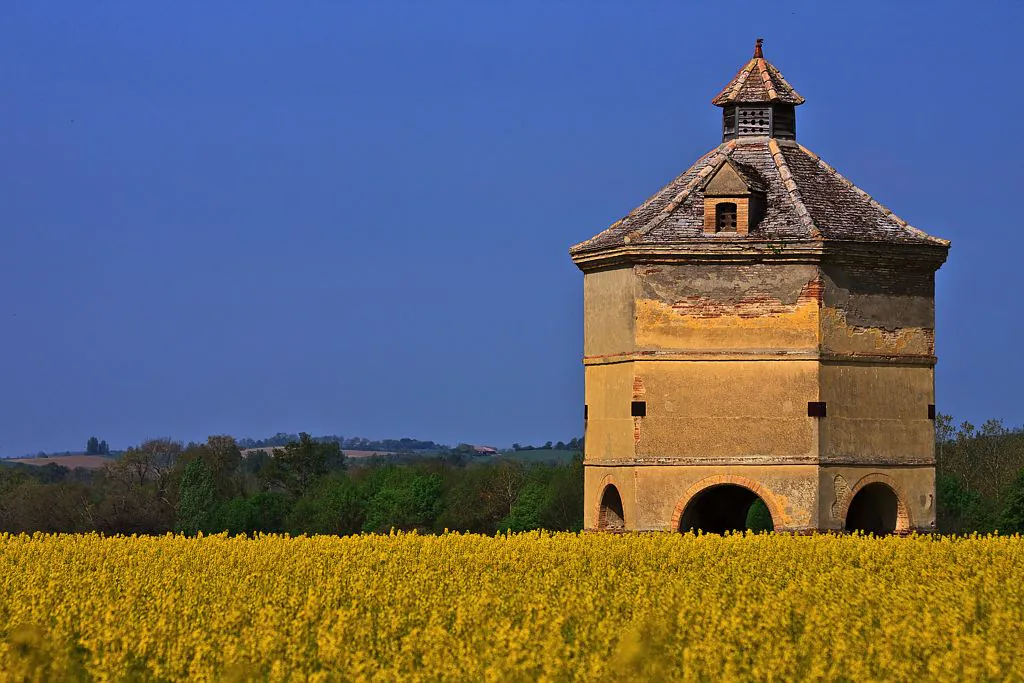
733	200
725	217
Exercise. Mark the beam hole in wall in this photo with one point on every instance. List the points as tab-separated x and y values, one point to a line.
816	409
874	510
728	507
638	409
610	517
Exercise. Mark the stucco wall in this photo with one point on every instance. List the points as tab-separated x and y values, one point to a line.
914	486
726	409
878	311
609	432
877	412
653	497
727	307
608	312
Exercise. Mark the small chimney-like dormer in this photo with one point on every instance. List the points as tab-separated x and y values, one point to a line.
734	200
758	101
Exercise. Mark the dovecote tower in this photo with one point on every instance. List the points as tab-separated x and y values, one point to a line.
760	336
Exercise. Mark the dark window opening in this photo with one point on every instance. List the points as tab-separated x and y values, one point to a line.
585	411
639	409
931	411
815	409
728	507
725	217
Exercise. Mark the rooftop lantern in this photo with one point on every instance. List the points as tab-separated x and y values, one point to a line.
758	101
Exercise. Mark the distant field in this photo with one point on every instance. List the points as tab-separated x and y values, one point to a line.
89	462
553	456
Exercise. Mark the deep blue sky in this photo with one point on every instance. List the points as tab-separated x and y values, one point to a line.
354	218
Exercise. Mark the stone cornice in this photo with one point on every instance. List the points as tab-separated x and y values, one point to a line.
925	257
760	461
774	355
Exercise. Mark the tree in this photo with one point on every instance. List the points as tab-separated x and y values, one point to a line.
296	466
402	498
104	448
470	501
563	498
265	511
1011	519
509	477
333	506
197	499
92	446
152	460
961	510
527	510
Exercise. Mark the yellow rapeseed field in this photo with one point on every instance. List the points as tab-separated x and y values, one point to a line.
534	606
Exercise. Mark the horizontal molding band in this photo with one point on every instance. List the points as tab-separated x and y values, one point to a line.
761	355
758	461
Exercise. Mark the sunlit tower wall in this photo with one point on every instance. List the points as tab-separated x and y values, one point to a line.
760	329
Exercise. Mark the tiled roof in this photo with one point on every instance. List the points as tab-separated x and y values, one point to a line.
806	199
758	81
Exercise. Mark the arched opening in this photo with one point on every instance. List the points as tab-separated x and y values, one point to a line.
874	510
610	517
727	507
725	217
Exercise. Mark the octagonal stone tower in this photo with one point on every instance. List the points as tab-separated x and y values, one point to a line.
760	328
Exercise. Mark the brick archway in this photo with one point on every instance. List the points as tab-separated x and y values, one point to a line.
601	521
904	523
722	479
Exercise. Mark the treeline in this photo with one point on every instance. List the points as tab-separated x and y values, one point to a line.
309	486
306	486
979	479
356	443
574	444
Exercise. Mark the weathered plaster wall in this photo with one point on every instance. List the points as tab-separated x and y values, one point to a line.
717	410
914	486
727	356
608	312
654	496
727	307
609	434
878	311
877	412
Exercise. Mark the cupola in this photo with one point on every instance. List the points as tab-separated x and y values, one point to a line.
758	101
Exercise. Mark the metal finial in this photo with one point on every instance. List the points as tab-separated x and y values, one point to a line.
757	49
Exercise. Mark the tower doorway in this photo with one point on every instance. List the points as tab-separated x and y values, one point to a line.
610	516
874	510
727	507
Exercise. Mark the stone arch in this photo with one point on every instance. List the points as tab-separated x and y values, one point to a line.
713	481
610	511
903	521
